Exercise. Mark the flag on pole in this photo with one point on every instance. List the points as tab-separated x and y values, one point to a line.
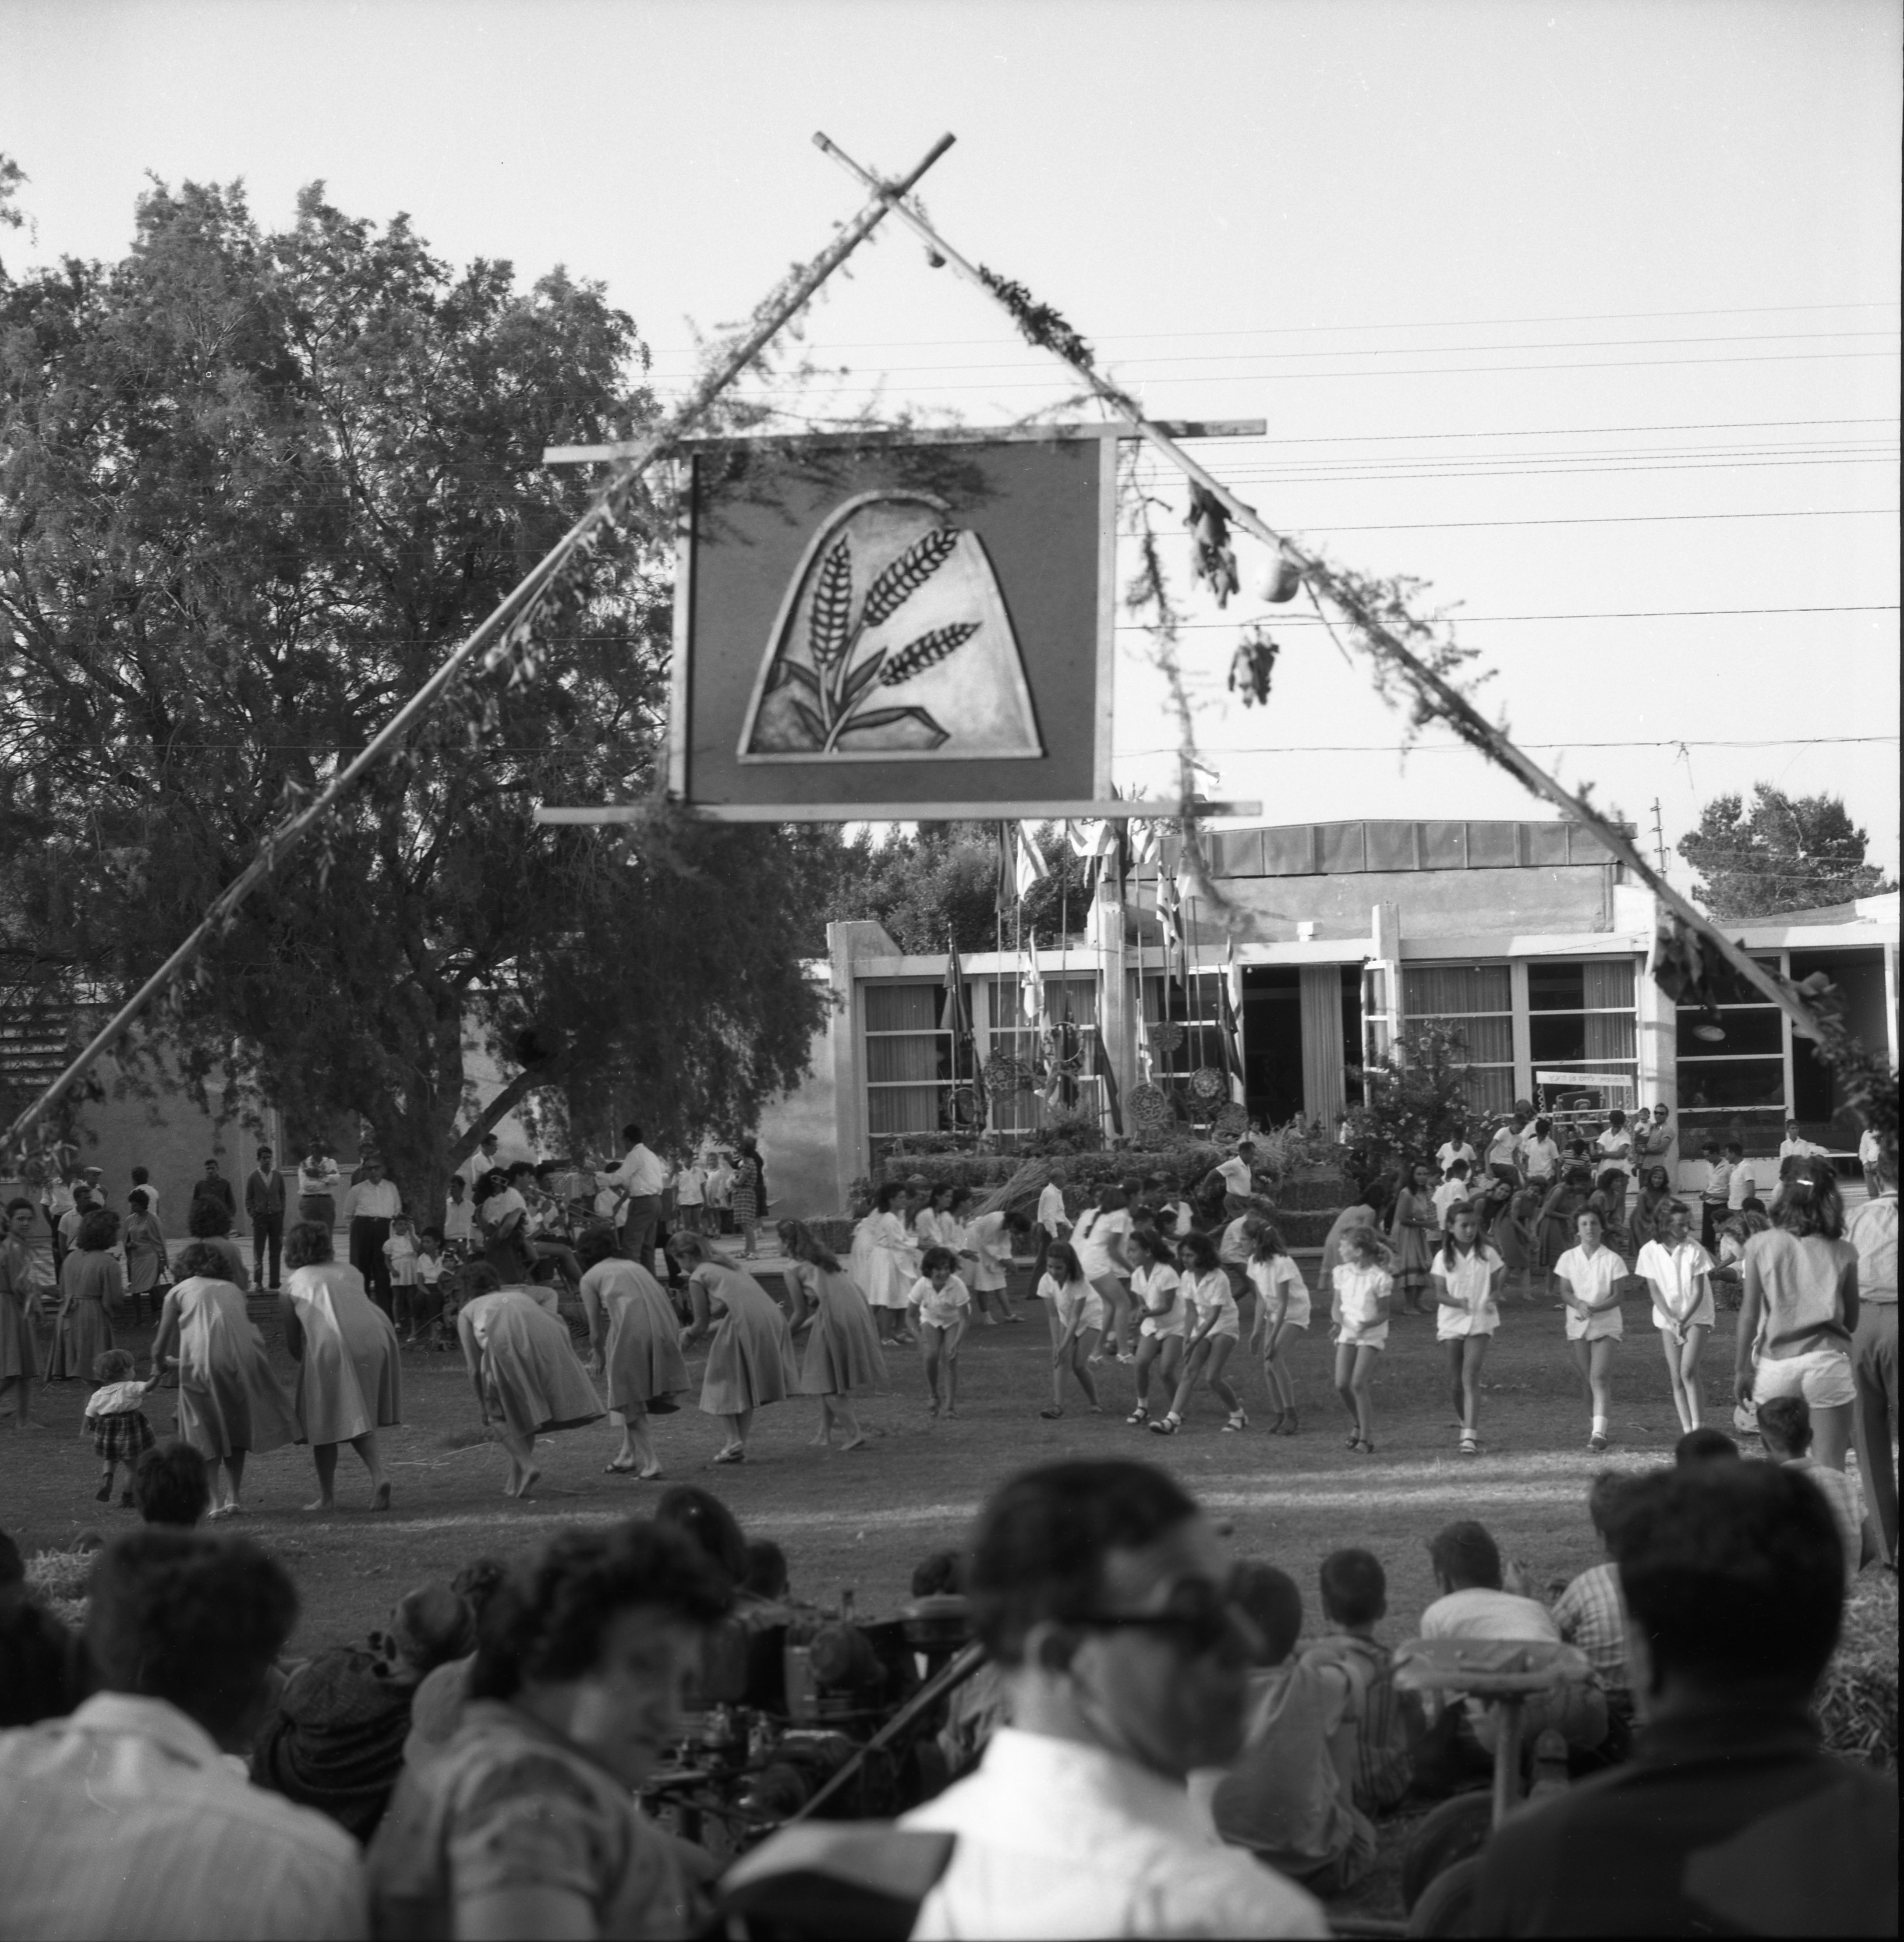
965	1049
1113	1103
1232	1028
1031	869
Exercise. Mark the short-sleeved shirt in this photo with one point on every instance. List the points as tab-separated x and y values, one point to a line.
1504	1148
1451	1193
1542	1157
1067	1297
1592	1277
1467	1277
1150	1284
1451	1150
1873	1233
1358	1292
1209	1294
373	1200
1675	1272
1477	1612
1608	1145
1799	1279
1235	1175
1092	1239
458	1221
1279	1279
940	1307
499	1206
1592	1615
1739	1186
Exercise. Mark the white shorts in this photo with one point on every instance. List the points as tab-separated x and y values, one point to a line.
1375	1336
1092	1305
1163	1327
1701	1317
1604	1324
1296	1315
1822	1377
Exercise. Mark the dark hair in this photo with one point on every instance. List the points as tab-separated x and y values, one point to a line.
1199	1252
1354	1587
1272	1602
938	1571
1605	1496
140	1199
545	1623
803	1245
201	1258
1042	1539
429	1233
1269	1243
195	1621
956	1196
479	1581
1112	1198
631	1134
938	1257
169	1486
709	1522
140	1174
480	1278
1458	1169
1785	1423
206	1219
1061	1261
458	1184
543	1166
13	1567
1703	1444
14	1206
1809	1201
517	1168
884	1194
765	1576
43	1674
97	1231
1466	1555
1733	1571
1154	1244
597	1245
1736	1147
1542	1126
308	1245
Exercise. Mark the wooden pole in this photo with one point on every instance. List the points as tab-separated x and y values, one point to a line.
779	309
1462	715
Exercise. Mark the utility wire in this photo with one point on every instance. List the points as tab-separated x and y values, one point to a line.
1459	748
1457	619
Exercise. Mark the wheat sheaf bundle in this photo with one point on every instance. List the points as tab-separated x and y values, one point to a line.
910	571
922	654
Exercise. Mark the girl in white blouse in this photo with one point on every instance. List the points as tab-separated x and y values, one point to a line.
1156	1289
1587	1279
1678	1272
1363	1296
1077	1313
1282	1309
1213	1327
1464	1277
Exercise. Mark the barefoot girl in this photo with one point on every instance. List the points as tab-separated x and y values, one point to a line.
1157	1293
941	1304
1465	1277
842	1353
121	1433
524	1373
1213	1326
1282	1308
1077	1313
750	1357
636	1346
1364	1294
1587	1279
1099	1238
1678	1272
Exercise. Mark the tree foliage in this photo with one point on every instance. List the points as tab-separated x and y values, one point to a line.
1412	1100
255	486
1779	852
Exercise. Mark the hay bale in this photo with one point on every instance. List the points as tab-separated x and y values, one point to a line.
1856	1705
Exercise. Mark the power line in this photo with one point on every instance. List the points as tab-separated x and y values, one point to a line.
1459	620
1551	471
1550	431
1619	519
1461	748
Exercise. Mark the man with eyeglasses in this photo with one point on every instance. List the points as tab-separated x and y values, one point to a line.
1105	1600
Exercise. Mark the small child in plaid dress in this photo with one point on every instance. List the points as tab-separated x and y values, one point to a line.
121	1433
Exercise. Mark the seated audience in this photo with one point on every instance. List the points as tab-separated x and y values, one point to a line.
336	1741
170	1487
126	1819
1104	1596
1705	1445
43	1674
526	1823
1374	1746
765	1576
1730	1818
1590	1615
437	1707
1281	1797
1785	1429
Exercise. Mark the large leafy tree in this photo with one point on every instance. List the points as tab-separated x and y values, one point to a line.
255	485
1777	852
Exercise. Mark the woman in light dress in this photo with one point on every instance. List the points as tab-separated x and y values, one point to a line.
525	1374
20	1308
843	1352
884	1261
1415	1229
231	1402
350	1371
92	1285
750	1357
636	1344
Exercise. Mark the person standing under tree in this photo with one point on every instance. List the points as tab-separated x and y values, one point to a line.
370	1207
317	1183
641	1176
745	1201
264	1207
212	1185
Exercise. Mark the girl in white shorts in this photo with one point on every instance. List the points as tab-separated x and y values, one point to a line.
940	1303
1678	1272
1076	1310
1364	1293
1282	1308
1213	1327
1156	1289
1587	1279
1464	1277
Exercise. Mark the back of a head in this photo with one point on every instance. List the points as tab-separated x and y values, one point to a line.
1044	1537
1466	1556
702	1517
169	1486
1785	1425
1272	1602
43	1674
200	1258
1734	1573
430	1626
1705	1445
1354	1587
937	1572
308	1245
192	1620
207	1218
766	1573
1809	1201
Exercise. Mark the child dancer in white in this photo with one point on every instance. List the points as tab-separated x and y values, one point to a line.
1587	1279
1156	1289
1364	1292
939	1302
1077	1313
1282	1308
1678	1273
1213	1327
1465	1279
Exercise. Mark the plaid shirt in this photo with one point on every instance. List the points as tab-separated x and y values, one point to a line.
1592	1616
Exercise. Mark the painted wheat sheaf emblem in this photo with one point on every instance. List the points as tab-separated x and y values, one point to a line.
924	663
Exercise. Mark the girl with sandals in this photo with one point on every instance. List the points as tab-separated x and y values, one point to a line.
1156	1289
1466	1276
750	1355
1213	1327
1364	1294
842	1353
1282	1308
1587	1278
1678	1272
636	1346
1098	1240
941	1305
1077	1313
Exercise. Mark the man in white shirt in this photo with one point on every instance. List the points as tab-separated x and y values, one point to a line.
1740	1186
641	1176
1614	1145
368	1208
1450	1151
1104	1598
480	1165
691	1195
1234	1172
1504	1151
1053	1223
1540	1156
1795	1145
127	1818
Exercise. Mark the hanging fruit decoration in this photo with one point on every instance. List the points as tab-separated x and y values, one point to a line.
1212	558
1281	579
1252	666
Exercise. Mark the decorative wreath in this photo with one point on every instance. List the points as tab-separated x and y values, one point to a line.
1005	1074
1231	1121
1167	1034
1149	1106
1206	1083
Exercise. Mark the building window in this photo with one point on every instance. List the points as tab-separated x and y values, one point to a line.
1068	1035
909	1062
1731	1060
1581	1025
1193	1004
1477	1000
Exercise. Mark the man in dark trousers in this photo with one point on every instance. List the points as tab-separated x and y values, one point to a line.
264	1206
370	1207
212	1185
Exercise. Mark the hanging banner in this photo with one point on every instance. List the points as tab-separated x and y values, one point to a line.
895	627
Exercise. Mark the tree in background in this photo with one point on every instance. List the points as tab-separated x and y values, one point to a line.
1783	852
255	485
1411	1101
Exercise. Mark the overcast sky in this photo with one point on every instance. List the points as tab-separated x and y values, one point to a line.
1574	310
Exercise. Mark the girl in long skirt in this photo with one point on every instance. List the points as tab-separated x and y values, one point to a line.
1156	1289
20	1309
1417	1227
884	1261
942	1305
1678	1272
1559	1212
1282	1313
92	1285
1076	1310
636	1344
1214	1326
1359	1307
843	1352
523	1369
231	1402
1587	1279
750	1356
1466	1276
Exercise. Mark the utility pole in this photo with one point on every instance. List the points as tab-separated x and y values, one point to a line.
1659	837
